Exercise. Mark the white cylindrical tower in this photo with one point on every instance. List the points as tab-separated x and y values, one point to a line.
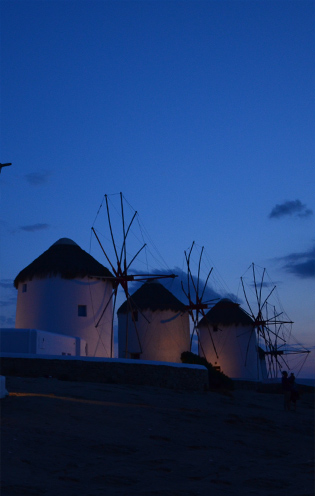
65	290
227	340
153	325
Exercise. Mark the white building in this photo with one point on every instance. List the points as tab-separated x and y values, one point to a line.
227	339
35	342
65	291
153	325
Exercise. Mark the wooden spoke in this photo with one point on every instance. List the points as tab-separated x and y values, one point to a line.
269	325
120	267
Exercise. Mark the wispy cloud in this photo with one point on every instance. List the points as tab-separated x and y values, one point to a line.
290	208
8	302
37	178
6	284
263	284
300	264
34	227
6	321
31	228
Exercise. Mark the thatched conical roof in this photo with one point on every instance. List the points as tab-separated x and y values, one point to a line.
66	259
226	313
152	296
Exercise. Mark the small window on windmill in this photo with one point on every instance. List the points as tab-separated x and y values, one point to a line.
135	315
82	311
24	288
215	328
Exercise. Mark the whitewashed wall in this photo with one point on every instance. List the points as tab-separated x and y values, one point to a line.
162	337
237	350
51	304
37	342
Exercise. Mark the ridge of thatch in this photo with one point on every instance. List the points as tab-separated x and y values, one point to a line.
66	259
152	296
226	312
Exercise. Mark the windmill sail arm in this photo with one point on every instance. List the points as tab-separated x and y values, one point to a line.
4	165
136	255
113	268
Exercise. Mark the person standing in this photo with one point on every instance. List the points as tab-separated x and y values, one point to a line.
293	390
286	388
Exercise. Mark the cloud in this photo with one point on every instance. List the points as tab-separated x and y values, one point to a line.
9	302
6	284
37	178
8	293
6	321
34	227
300	264
31	228
292	208
263	284
174	285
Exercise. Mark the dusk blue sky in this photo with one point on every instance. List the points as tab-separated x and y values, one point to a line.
201	112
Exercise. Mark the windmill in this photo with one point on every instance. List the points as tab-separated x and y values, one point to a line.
272	325
221	326
121	261
195	293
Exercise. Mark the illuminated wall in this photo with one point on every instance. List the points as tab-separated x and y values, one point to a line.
236	347
70	307
159	336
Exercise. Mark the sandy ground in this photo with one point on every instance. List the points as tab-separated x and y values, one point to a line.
67	438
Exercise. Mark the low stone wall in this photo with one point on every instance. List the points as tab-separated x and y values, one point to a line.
110	371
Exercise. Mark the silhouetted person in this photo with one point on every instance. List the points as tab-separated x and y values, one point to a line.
286	388
291	379
294	392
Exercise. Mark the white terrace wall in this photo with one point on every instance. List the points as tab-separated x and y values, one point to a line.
52	304
37	342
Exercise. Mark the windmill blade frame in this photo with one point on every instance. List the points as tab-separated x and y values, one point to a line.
270	325
120	266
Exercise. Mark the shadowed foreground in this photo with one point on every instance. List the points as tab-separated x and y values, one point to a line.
70	438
